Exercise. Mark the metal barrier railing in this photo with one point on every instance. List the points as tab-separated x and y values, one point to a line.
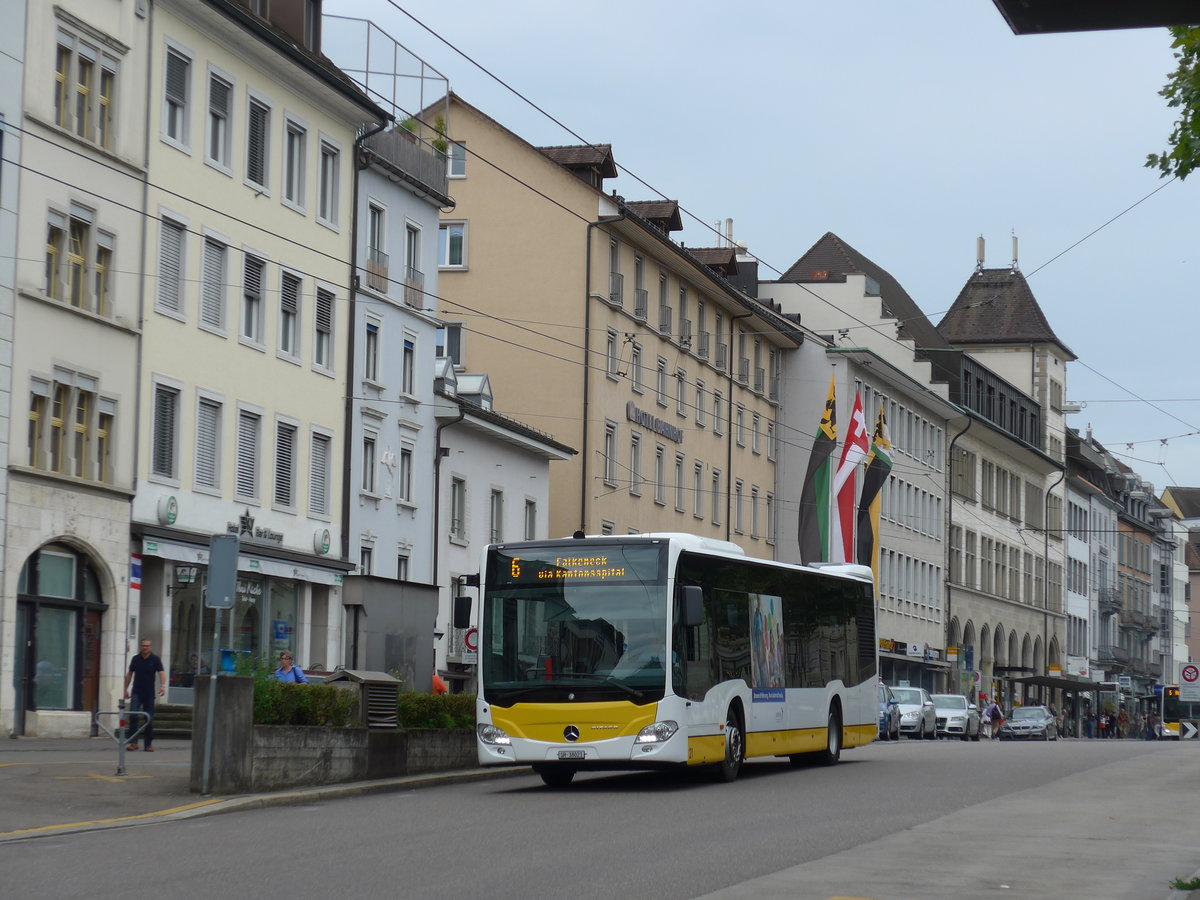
119	735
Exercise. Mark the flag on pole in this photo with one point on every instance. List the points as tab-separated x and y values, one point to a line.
813	535
879	464
135	571
854	451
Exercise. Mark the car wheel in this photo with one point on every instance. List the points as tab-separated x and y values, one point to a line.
896	733
555	776
833	740
735	747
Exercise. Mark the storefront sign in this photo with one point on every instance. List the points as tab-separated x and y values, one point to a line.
245	529
655	424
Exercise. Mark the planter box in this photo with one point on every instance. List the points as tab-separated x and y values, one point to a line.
248	758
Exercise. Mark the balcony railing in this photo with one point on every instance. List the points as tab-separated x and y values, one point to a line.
377	270
664	319
414	287
743	374
1111	654
1110	601
616	288
760	379
773	393
702	345
685	332
722	355
641	304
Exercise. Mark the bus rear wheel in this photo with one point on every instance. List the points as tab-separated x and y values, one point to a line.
833	740
735	747
555	776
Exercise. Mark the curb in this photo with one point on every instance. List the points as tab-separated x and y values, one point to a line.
219	805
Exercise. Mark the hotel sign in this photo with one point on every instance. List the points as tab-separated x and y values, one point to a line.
655	424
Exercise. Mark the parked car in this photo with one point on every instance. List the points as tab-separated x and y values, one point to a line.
1029	723
956	717
917	715
889	714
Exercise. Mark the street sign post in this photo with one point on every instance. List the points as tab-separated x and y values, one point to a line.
222	591
1189	682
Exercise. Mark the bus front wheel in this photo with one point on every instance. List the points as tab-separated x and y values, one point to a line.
555	776
735	747
833	740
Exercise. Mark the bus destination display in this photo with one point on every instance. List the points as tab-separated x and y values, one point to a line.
624	565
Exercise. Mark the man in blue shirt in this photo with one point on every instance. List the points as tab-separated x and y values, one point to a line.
144	670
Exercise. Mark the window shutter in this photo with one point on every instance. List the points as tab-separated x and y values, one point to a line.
324	312
285	441
165	407
318	488
252	281
247	455
218	97
208	421
170	266
289	299
256	144
177	73
212	294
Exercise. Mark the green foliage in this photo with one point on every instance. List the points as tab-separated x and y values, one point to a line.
410	125
456	711
276	703
1182	92
1186	884
440	144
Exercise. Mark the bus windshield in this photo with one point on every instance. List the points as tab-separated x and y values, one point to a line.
575	627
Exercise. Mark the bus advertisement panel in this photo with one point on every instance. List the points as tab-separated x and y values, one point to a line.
643	651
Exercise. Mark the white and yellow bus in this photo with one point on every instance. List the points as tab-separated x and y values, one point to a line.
669	650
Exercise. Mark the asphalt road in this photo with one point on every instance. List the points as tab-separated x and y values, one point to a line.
908	820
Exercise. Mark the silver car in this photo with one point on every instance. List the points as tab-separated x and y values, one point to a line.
956	717
918	717
1029	723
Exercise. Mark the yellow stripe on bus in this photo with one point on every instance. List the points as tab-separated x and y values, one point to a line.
595	721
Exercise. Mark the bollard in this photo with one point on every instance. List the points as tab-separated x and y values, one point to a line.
119	735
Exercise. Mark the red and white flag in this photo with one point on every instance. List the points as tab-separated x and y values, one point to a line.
854	451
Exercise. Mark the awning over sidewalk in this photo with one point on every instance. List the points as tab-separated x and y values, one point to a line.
1073	685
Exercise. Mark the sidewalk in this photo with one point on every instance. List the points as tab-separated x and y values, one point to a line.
61	785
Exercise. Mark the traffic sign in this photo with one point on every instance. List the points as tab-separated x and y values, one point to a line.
471	639
1189	682
1187	730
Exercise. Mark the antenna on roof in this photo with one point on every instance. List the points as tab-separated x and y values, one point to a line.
1014	237
979	253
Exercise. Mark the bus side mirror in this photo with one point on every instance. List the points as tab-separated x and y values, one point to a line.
693	605
462	611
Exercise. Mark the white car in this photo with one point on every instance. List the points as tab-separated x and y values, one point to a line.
918	716
956	717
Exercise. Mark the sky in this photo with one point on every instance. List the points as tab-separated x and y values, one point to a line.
908	129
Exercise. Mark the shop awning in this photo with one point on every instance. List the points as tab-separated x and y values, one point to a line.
1075	685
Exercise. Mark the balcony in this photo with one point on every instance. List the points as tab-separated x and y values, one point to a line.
1109	655
616	288
743	373
760	379
377	270
702	344
773	394
722	355
685	333
641	304
1110	601
414	287
664	319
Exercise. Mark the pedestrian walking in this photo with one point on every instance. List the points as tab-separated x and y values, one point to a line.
995	717
145	673
288	672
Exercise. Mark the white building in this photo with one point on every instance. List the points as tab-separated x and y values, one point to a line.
859	309
493	478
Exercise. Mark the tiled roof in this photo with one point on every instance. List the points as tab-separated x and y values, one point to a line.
996	306
723	259
1186	500
1191	550
831	259
584	155
664	213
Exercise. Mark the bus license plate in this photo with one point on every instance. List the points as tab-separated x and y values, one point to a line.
572	754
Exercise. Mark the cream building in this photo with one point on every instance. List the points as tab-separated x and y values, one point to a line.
75	328
595	327
244	363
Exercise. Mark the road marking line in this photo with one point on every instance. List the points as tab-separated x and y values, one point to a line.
149	815
117	779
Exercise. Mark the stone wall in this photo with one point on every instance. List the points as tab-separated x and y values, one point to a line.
248	758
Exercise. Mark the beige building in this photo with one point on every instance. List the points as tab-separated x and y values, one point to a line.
596	327
244	366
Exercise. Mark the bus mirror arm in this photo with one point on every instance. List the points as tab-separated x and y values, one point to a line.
693	605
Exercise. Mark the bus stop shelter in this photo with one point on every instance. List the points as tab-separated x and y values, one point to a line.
1068	685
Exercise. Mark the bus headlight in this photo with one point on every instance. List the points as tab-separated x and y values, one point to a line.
490	734
657	733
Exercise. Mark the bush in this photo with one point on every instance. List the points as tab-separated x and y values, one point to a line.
325	705
454	711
